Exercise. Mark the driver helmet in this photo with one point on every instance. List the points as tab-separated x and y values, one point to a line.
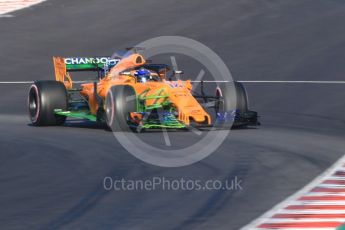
143	74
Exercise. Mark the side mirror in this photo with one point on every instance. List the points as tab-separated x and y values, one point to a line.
126	73
178	72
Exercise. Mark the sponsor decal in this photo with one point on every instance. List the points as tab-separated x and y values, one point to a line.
174	84
96	60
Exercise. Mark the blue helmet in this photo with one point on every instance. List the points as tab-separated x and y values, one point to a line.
142	75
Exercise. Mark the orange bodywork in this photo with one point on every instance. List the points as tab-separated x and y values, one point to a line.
177	92
61	73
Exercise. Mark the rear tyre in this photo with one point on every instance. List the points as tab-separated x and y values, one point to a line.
120	101
44	97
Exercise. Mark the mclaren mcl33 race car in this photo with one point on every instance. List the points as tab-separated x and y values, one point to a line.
131	94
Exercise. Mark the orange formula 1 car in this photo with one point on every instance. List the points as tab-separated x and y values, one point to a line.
130	93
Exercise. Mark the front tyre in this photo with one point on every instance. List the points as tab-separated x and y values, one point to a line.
242	115
227	103
120	101
44	97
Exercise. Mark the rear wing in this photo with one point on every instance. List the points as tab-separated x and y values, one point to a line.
63	66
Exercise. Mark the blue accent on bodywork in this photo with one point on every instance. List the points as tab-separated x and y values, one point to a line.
225	117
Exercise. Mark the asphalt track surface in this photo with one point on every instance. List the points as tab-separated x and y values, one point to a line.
52	177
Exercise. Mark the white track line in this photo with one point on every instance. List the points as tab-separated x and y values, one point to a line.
297	82
325	194
303	211
16	82
287	82
318	202
329	185
206	81
279	208
336	178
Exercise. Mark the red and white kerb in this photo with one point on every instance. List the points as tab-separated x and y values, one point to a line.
7	6
320	205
